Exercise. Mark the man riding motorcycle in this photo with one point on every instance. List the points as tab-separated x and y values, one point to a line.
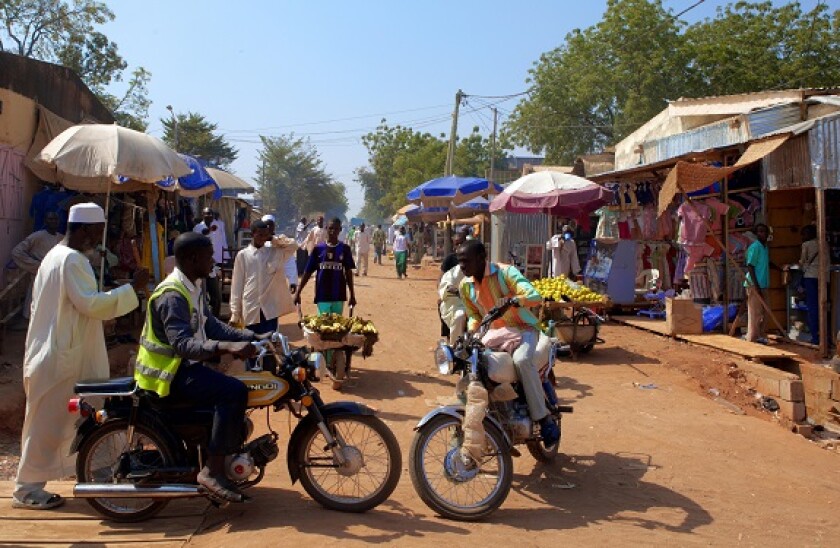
487	285
179	334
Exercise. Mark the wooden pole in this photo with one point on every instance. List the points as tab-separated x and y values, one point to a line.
738	268
822	279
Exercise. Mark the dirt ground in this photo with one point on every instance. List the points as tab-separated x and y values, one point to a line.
649	456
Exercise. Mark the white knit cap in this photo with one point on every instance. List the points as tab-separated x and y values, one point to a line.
87	213
268	219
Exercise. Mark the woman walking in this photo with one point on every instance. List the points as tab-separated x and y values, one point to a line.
401	252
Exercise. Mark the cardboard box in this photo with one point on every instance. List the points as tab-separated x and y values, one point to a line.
683	317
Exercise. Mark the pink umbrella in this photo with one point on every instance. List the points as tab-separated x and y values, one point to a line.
553	193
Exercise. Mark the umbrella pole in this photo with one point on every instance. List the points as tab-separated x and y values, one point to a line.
103	255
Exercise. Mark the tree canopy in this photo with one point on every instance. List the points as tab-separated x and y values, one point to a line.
401	158
293	182
603	82
196	137
65	32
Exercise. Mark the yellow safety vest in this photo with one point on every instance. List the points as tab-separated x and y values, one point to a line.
157	361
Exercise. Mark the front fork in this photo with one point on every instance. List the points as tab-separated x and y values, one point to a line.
334	443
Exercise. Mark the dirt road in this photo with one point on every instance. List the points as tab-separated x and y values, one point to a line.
649	457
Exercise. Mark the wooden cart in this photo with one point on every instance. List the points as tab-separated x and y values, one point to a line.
576	324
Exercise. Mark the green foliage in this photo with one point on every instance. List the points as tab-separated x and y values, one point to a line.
752	46
401	158
64	32
605	81
196	138
293	182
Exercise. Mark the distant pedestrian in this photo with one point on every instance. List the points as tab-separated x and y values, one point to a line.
29	253
215	230
362	240
378	244
316	236
301	232
401	252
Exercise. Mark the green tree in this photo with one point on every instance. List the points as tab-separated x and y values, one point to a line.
401	158
752	46
196	137
293	181
65	32
602	82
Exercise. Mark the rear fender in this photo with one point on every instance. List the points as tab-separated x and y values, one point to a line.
339	408
457	411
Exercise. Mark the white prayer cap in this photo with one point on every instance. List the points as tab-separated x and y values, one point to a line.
87	213
267	218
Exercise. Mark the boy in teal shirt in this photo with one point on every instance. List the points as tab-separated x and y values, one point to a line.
758	279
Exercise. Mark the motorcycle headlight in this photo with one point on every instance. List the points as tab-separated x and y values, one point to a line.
316	360
444	359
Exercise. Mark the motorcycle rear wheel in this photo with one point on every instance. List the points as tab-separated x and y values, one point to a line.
429	449
371	444
99	456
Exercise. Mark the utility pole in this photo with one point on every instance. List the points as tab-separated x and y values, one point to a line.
450	160
493	146
453	134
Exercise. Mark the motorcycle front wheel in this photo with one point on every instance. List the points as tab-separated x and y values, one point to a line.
371	469
453	491
99	459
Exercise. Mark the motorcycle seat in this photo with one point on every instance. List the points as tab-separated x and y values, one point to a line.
120	386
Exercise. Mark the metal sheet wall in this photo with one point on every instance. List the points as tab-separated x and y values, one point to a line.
824	143
789	166
512	229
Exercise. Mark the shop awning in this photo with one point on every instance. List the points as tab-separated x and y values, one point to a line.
49	127
690	177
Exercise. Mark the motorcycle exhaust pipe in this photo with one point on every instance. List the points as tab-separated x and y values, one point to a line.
132	491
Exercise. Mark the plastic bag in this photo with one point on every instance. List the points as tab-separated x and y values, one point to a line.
713	316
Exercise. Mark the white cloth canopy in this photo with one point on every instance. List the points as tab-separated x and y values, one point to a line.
65	344
90	157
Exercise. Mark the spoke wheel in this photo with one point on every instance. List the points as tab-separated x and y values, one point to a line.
372	467
99	459
465	495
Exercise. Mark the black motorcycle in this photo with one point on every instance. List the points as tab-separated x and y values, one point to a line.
138	452
460	460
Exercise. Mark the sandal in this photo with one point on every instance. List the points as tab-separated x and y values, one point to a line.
38	500
220	490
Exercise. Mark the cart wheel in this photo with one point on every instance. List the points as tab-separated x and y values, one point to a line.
582	319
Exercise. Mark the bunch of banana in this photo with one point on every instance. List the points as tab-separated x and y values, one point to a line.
327	323
557	288
364	327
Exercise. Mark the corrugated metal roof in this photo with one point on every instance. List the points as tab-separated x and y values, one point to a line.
727	105
723	133
789	166
767	120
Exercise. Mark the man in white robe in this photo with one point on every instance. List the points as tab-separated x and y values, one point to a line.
65	344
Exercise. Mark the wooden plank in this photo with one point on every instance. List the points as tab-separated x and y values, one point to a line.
738	346
714	340
77	523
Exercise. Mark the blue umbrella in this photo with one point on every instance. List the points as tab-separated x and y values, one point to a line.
197	183
402	220
452	189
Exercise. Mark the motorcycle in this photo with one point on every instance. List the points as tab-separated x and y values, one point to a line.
460	460
138	452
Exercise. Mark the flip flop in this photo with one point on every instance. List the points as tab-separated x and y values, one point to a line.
39	500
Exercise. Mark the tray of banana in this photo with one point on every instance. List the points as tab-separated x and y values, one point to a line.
330	331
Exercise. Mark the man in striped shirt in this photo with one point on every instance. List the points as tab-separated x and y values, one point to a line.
487	285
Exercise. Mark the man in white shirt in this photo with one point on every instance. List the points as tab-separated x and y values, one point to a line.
215	230
362	240
316	236
29	253
564	254
300	238
258	293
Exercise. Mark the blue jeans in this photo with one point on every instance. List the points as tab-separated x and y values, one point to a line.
812	300
263	326
203	387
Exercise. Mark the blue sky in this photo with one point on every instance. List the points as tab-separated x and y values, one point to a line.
331	70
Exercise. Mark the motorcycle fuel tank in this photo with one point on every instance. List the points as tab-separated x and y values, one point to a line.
263	387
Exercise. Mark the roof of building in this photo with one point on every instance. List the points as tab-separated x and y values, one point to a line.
54	87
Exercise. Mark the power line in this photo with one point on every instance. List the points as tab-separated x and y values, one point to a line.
688	9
